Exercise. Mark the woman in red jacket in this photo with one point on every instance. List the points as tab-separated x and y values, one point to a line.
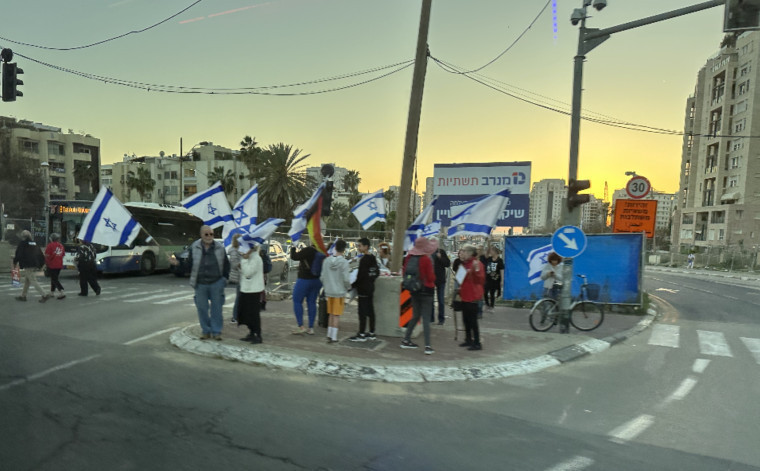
471	291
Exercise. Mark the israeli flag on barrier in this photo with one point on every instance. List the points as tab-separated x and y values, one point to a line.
479	216
420	227
536	262
210	205
109	222
370	209
298	225
246	210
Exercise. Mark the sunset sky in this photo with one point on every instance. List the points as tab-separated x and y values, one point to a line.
641	76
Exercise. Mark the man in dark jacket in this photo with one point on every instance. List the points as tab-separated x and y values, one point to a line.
29	259
86	259
440	263
365	289
307	287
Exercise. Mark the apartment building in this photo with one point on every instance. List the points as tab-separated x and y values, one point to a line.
718	202
546	199
62	151
594	215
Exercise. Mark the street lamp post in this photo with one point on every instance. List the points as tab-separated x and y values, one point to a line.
46	210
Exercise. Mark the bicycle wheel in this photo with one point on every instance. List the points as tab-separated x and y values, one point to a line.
587	315
543	315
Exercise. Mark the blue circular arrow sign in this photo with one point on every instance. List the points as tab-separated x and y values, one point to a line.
569	241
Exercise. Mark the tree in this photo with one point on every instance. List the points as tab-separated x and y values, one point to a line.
283	183
141	182
227	179
389	196
351	182
86	174
21	185
251	155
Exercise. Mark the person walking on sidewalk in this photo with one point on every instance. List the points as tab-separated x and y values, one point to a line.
419	264
251	286
88	270
471	291
235	257
29	260
494	276
365	290
307	287
336	278
54	253
441	262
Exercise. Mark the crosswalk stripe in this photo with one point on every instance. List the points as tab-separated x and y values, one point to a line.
713	343
753	345
665	335
124	296
632	429
172	300
150	298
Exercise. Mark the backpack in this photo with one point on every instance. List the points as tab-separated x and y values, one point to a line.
411	280
86	254
316	263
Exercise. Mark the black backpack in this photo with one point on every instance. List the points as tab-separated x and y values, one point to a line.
412	281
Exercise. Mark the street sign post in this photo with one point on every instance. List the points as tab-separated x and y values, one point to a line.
638	187
568	241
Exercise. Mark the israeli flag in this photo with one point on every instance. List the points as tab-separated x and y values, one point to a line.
210	205
108	222
262	232
479	216
536	262
420	227
246	210
229	230
370	209
298	225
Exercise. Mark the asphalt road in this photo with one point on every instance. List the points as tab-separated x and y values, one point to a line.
92	383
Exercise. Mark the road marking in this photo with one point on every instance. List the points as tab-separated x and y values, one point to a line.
683	390
136	294
149	298
665	335
699	365
47	372
713	343
668	290
753	345
632	429
576	463
181	298
146	337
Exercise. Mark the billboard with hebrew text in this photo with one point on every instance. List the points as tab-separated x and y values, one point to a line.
455	184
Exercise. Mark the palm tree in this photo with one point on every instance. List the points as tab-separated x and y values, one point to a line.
227	179
389	196
86	174
351	181
251	155
283	183
140	182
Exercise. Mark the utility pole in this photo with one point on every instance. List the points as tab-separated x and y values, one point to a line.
410	145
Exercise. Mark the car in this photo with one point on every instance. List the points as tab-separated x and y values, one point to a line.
276	254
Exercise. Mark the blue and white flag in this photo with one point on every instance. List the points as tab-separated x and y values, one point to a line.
370	209
108	222
298	225
259	234
246	210
479	216
210	205
420	226
536	262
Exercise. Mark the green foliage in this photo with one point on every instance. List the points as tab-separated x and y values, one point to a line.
227	179
283	183
141	181
86	175
21	185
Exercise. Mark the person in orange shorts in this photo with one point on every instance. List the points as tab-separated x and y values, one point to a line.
336	280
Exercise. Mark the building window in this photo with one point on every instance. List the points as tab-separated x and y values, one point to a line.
733	182
721	234
739	214
745	69
687	219
32	147
718	217
736	162
55	148
738	144
744	87
740	124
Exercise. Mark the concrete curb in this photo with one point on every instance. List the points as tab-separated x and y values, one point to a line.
394	372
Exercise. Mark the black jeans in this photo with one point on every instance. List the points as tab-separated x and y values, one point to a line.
492	287
55	284
366	311
88	274
470	319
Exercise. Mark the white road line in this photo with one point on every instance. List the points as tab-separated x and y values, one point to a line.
47	372
136	294
181	298
632	429
713	343
150	298
576	463
683	390
146	337
665	335
699	365
753	345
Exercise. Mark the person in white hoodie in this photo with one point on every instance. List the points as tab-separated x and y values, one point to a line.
336	280
251	286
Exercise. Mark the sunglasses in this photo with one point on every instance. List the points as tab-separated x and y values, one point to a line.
208	233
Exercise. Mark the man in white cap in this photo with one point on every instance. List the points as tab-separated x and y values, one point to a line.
419	265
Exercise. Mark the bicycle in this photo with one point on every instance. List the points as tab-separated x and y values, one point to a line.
585	313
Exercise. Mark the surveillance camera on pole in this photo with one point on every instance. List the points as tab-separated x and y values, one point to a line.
577	16
600	4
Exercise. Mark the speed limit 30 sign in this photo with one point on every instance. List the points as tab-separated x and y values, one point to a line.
638	187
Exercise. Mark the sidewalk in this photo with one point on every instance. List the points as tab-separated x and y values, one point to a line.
739	275
510	347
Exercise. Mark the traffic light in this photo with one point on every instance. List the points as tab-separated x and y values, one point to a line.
573	198
11	81
741	15
327	198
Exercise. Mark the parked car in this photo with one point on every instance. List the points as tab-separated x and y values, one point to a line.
276	254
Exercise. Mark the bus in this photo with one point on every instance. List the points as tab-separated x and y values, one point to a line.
165	229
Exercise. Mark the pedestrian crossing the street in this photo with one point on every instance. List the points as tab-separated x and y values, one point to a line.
710	343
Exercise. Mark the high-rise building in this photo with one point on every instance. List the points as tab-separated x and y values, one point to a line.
546	199
718	202
429	191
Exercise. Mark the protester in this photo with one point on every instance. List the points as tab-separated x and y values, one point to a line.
422	300
551	273
494	276
234	255
307	287
29	259
441	262
336	278
264	254
86	260
470	292
251	286
384	254
209	269
481	254
54	253
365	289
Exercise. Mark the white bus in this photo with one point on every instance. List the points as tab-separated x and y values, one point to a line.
165	229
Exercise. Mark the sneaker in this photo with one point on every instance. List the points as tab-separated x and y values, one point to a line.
329	340
358	338
408	344
61	296
20	298
233	321
204	337
256	339
81	294
217	337
45	298
310	331
300	330
429	350
466	343
475	346
371	336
